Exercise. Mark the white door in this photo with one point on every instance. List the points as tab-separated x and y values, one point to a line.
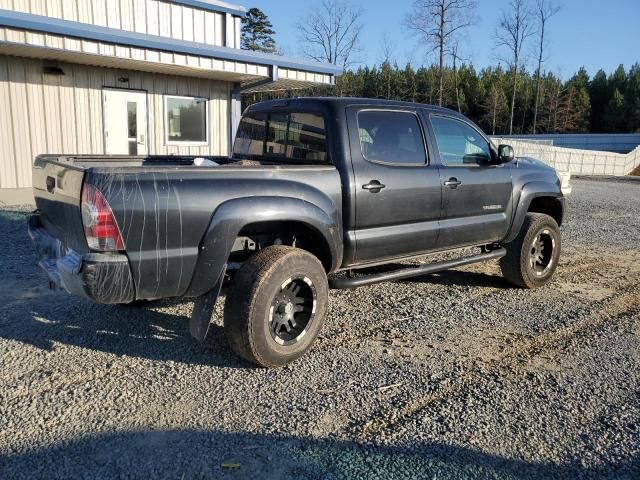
125	122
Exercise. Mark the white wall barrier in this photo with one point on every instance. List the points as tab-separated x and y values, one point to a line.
578	162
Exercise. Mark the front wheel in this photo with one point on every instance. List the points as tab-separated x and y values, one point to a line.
276	306
532	258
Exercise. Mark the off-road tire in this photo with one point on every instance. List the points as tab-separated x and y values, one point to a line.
516	265
248	313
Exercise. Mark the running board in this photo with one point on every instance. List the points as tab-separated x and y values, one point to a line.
340	283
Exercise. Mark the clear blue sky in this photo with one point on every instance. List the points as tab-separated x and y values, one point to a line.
591	33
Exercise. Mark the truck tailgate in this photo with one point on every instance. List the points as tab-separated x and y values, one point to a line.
57	188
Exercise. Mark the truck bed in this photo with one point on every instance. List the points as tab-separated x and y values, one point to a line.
165	205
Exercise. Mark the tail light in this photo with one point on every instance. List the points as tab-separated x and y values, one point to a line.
100	226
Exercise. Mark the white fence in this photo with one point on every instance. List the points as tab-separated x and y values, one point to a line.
603	142
578	162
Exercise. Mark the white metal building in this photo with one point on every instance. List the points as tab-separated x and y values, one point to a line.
127	77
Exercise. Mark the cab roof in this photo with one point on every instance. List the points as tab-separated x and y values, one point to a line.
343	102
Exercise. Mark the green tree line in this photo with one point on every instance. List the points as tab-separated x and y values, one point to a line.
606	103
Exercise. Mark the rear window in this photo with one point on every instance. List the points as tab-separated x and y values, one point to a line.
280	136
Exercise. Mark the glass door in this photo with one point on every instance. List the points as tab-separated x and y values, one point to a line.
125	122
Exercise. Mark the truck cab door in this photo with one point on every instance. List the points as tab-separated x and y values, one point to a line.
397	192
477	202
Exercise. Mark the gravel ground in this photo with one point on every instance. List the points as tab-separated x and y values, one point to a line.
453	375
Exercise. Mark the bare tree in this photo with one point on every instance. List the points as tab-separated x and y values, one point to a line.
455	55
544	10
438	22
514	29
387	49
331	33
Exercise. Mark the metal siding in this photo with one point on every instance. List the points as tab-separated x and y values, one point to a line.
155	17
63	113
126	15
35	106
99	13
219	38
152	17
68	113
176	21
187	24
198	26
52	114
60	30
238	29
113	15
209	28
20	117
8	177
230	37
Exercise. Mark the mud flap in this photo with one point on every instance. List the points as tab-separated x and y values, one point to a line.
203	310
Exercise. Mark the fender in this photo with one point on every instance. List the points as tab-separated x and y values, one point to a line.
232	216
530	191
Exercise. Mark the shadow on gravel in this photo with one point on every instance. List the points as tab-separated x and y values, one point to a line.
464	279
179	454
33	315
135	332
14	216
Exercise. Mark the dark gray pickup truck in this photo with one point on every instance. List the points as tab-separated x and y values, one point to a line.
316	188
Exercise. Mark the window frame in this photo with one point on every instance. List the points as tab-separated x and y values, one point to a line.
470	125
423	135
186	143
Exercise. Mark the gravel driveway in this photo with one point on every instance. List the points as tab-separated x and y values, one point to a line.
453	375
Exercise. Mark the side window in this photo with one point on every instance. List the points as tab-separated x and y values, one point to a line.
458	143
391	137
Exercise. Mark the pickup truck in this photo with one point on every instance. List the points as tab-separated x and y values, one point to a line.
316	191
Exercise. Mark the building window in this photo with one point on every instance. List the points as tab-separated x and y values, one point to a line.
186	120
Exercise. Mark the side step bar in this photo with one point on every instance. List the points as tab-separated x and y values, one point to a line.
340	283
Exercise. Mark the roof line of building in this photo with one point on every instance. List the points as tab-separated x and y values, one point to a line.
55	26
214	6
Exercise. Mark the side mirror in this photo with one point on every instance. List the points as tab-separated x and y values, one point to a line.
505	154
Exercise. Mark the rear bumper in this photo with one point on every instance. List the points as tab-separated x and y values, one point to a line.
102	278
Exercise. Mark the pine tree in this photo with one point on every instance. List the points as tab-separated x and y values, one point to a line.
607	103
575	104
600	94
632	99
614	114
257	32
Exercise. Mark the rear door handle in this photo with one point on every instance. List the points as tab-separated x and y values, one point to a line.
374	186
453	183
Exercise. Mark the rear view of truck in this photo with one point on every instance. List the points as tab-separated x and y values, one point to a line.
77	236
119	229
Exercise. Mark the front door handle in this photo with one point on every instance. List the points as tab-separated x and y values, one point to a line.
374	186
453	183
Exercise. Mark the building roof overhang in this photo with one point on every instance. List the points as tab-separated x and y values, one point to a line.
295	72
215	6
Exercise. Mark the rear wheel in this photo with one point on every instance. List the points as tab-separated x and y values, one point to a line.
276	306
532	258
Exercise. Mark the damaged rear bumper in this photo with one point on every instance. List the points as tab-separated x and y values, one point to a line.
100	277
